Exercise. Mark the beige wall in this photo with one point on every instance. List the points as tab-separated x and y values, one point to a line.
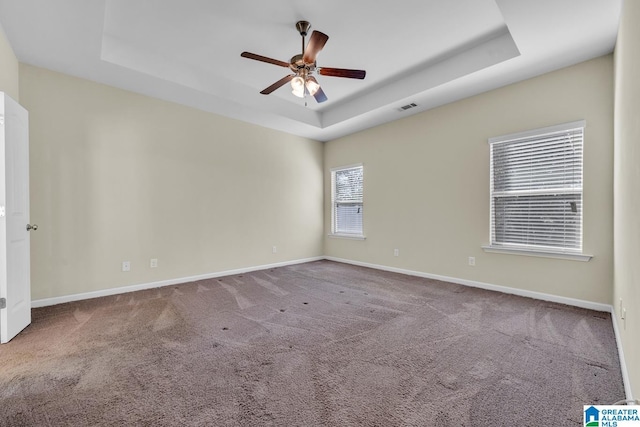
426	184
627	188
8	68
118	176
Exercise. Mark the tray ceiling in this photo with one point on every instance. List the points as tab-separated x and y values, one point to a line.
427	52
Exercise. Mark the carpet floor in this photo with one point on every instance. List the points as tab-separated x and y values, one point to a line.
316	344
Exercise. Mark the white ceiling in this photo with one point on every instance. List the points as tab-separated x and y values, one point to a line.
429	52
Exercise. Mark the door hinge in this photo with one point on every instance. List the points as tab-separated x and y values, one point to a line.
3	303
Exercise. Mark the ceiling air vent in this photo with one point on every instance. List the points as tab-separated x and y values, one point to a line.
407	107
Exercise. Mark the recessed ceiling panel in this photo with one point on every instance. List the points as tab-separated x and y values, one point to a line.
198	43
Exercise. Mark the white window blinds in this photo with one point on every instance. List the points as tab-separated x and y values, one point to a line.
347	203
536	189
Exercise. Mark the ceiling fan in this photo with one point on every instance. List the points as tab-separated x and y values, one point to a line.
304	66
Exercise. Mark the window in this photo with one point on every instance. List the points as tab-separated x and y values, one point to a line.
536	191
346	200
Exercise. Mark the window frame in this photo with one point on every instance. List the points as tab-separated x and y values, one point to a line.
536	249
334	233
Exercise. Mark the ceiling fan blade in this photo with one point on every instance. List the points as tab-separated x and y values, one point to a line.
277	84
319	95
315	45
264	59
342	72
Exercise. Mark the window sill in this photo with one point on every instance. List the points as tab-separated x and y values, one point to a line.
347	236
536	253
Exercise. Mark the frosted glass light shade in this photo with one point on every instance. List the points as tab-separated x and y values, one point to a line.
312	87
297	86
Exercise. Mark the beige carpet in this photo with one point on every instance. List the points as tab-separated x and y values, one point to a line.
317	344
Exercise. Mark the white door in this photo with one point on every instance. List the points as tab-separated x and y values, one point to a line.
15	276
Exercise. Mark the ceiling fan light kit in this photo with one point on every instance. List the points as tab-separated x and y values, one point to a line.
304	66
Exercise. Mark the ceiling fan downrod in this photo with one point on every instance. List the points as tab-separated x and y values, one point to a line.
303	28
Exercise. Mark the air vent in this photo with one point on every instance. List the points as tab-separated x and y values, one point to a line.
407	107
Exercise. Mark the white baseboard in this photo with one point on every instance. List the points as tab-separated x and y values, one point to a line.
504	289
623	365
132	288
488	286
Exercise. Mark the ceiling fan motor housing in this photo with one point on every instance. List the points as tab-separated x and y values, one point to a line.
297	64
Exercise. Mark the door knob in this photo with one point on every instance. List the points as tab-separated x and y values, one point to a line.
33	227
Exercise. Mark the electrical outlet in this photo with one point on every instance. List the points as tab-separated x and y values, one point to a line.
274	249
472	261
153	263
126	266
620	310
396	252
